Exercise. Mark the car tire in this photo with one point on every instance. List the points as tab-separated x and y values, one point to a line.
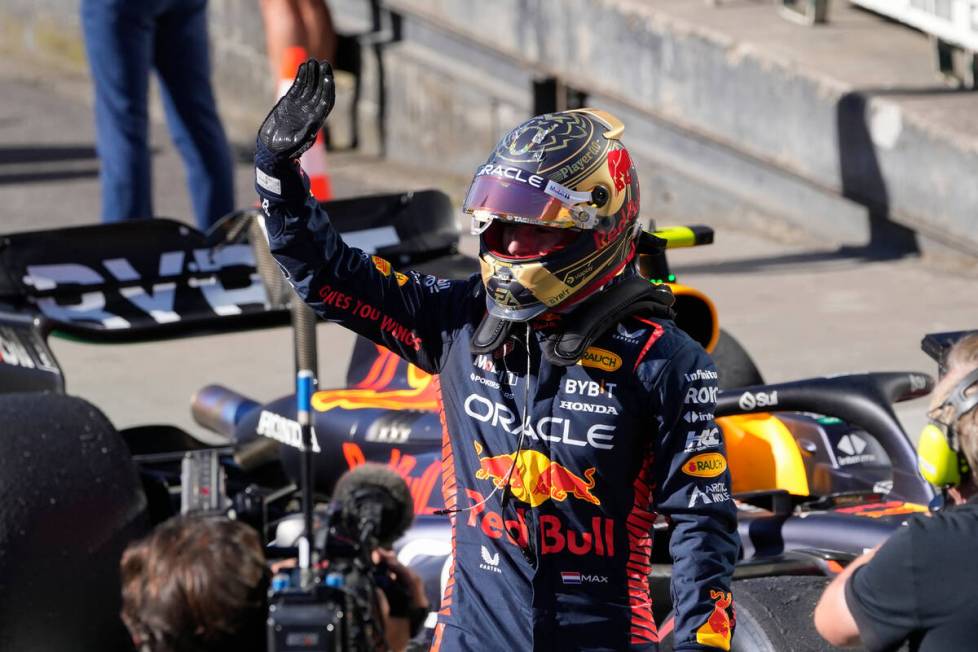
72	501
774	614
734	366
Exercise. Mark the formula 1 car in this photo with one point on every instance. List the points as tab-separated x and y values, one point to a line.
821	467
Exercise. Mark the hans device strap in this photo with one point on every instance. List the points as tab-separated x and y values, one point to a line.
590	320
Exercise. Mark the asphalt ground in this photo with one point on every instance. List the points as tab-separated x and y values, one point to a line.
800	308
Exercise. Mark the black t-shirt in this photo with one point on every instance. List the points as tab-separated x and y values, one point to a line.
921	586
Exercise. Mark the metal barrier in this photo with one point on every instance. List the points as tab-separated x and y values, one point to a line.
806	12
952	24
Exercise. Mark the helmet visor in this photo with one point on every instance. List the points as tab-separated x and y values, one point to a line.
491	197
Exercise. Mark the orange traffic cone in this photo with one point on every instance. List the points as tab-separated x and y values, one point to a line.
313	161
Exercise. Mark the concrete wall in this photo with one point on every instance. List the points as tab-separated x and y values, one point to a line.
727	129
728	123
43	28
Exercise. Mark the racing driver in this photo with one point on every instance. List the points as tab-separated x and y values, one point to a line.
573	409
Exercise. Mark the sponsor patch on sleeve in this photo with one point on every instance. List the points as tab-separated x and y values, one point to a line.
701	396
715	492
701	440
705	465
385	268
268	182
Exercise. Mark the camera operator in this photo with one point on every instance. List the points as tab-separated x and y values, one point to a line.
196	584
918	586
200	584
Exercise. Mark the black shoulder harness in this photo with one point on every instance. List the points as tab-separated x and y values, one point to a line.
587	322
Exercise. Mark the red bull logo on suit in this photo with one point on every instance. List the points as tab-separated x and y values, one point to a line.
536	478
717	629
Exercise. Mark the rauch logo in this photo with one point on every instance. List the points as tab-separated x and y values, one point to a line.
707	465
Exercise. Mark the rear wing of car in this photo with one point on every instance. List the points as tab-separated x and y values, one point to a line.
156	279
131	281
153	279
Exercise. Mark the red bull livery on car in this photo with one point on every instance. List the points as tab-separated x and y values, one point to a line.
554	465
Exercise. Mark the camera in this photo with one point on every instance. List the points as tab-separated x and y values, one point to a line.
204	490
332	606
329	603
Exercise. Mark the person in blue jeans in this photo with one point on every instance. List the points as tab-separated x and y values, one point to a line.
125	40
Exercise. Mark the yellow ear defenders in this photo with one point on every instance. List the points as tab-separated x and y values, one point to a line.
939	457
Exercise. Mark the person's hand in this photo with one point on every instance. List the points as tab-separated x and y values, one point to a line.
833	618
403	576
291	126
401	627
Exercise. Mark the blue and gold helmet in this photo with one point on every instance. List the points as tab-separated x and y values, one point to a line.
566	170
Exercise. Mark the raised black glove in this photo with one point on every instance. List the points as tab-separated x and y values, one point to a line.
291	126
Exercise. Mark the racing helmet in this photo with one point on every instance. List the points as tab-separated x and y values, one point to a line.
566	170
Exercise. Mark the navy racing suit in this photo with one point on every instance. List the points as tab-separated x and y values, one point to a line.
626	433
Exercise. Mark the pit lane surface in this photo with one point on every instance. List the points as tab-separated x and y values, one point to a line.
800	309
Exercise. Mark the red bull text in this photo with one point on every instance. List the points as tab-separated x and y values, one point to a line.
554	535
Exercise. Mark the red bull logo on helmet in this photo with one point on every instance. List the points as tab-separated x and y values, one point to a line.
618	165
536	478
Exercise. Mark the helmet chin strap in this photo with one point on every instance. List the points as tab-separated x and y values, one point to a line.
592	318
